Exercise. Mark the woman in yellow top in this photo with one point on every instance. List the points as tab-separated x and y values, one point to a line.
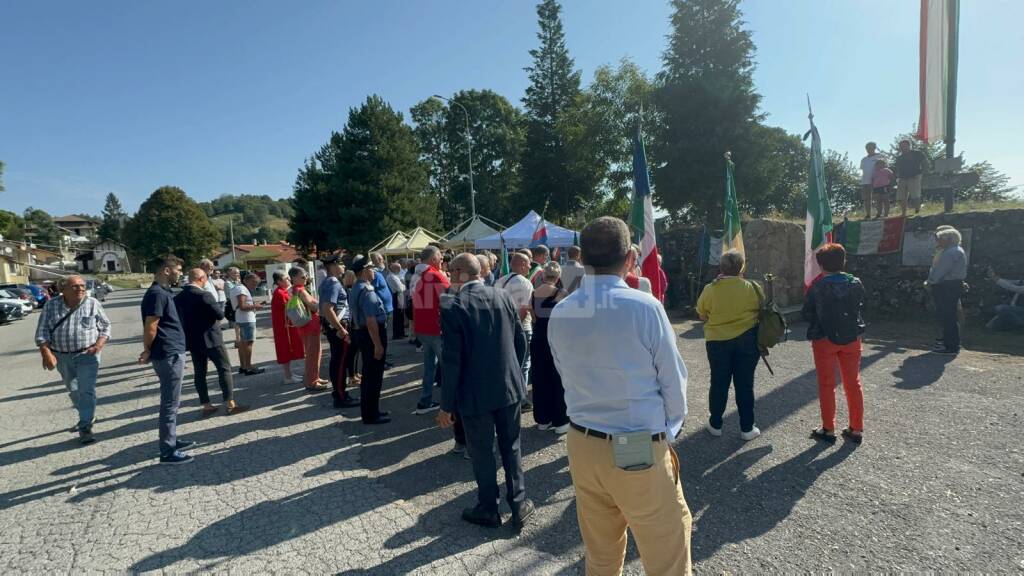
729	306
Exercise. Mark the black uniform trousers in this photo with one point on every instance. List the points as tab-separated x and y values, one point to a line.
339	355
373	373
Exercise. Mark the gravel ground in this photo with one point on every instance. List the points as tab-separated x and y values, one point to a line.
291	486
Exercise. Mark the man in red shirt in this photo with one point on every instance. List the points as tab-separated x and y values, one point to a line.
426	320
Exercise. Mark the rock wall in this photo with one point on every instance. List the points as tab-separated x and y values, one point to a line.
894	290
771	246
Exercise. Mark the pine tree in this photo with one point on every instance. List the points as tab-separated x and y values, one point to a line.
551	102
169	222
113	219
364	184
710	106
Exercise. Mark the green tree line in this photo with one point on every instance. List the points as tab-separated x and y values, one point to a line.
567	150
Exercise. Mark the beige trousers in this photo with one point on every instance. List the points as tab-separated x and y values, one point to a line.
650	502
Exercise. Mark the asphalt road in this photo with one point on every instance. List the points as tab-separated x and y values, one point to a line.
292	486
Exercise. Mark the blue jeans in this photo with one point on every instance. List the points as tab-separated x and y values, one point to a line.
81	368
169	370
733	362
431	356
1008	317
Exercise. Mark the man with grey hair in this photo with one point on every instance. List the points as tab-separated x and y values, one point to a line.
573	271
380	286
206	265
71	333
397	286
482	338
426	303
946	280
485	269
625	394
518	285
233	280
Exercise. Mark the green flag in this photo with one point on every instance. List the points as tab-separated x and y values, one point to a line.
732	232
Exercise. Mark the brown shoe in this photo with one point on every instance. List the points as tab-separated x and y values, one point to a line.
209	409
236	409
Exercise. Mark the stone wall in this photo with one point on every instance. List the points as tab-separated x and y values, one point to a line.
771	246
897	291
894	290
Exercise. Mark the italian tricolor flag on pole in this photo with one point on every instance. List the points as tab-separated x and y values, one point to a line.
940	21
641	218
819	208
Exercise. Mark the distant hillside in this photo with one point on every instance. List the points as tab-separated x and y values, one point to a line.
259	218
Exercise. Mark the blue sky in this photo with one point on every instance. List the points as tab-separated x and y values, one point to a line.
231	96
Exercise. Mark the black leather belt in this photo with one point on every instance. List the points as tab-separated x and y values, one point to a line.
601	435
75	352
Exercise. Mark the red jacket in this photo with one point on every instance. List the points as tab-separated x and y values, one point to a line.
426	302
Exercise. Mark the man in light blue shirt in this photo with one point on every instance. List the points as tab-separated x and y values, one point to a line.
616	352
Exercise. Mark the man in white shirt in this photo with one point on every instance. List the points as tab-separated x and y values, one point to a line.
572	272
625	386
520	288
867	171
245	319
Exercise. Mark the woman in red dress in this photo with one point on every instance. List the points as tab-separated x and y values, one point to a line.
287	340
310	333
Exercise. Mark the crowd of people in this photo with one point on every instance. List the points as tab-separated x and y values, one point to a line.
596	346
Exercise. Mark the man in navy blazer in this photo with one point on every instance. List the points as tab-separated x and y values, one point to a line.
200	319
482	381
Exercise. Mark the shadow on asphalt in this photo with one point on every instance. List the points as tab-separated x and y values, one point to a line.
714	473
919	371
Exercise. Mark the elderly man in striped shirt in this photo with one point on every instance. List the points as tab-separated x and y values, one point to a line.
72	331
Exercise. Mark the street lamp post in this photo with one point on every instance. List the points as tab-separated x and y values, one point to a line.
469	149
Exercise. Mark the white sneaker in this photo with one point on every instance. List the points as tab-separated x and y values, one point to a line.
748	436
560	430
714	431
543	427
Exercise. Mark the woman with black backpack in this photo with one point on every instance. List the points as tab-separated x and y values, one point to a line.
833	310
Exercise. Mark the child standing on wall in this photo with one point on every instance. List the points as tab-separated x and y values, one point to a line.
881	181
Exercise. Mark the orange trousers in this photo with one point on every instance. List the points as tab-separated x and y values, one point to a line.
313	348
826	356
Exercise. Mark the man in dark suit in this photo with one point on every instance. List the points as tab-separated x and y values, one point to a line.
484	345
200	318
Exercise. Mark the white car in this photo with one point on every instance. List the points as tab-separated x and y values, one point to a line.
8	297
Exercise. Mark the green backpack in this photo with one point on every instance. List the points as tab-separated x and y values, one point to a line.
296	311
772	326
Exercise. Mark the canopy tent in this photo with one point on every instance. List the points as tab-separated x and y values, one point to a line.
520	234
464	236
391	242
416	241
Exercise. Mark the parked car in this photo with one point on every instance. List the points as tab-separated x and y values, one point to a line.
10	312
37	294
17	299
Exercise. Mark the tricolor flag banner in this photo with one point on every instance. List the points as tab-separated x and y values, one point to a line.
940	21
540	235
641	218
819	209
868	237
732	233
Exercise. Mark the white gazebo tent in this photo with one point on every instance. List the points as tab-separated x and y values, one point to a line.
465	235
520	235
417	240
390	243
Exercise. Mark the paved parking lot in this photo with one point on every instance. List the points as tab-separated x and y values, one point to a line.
293	486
